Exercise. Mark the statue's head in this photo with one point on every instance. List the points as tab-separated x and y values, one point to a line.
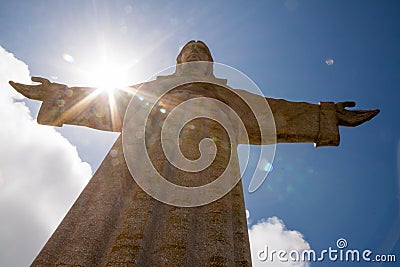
195	51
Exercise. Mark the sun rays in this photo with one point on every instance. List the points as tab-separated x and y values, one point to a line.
108	78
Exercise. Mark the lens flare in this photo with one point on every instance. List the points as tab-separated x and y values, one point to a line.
113	153
329	61
265	165
68	58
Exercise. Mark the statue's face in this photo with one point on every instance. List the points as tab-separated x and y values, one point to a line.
194	52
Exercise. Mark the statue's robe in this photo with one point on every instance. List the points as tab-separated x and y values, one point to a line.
114	222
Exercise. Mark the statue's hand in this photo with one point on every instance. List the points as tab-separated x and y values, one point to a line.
37	92
353	117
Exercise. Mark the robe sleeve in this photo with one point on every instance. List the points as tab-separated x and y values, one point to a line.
294	121
85	106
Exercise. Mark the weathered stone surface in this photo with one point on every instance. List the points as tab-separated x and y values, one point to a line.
114	222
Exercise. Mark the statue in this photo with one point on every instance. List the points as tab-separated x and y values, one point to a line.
115	222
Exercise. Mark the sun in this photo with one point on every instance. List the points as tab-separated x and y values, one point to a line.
108	76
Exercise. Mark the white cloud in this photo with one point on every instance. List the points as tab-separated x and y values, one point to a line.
41	173
273	233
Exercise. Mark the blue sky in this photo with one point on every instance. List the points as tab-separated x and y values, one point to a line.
350	191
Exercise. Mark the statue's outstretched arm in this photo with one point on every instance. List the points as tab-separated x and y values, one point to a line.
40	91
317	123
82	106
297	122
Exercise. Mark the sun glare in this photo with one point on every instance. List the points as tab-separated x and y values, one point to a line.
108	76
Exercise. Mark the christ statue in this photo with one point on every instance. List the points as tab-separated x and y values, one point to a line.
131	214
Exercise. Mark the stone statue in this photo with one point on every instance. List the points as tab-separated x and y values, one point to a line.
114	221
